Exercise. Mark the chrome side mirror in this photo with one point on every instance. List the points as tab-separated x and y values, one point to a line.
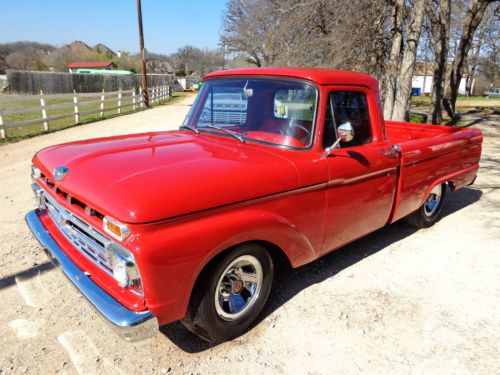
345	133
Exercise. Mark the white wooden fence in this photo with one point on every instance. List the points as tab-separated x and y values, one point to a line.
107	102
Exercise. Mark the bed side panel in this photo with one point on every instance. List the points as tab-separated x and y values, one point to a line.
452	157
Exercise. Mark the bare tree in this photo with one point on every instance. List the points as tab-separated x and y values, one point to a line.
17	60
439	14
189	59
484	48
471	22
403	92
318	33
397	18
249	27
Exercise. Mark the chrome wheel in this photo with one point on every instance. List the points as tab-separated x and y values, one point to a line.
431	204
238	287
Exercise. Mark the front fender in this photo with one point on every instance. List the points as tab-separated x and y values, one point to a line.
172	254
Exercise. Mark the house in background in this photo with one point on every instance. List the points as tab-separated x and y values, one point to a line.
424	83
103	65
423	77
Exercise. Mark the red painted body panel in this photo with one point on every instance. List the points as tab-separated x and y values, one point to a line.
186	197
432	155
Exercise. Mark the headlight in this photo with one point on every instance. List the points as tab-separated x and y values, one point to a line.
123	266
115	229
35	172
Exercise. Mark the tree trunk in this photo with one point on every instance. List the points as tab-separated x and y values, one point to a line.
472	20
469	80
397	38
441	32
403	92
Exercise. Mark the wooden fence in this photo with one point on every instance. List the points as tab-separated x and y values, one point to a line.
23	82
107	103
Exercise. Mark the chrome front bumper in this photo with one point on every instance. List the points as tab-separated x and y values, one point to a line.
130	325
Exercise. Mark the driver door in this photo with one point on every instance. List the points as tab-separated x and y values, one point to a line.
362	171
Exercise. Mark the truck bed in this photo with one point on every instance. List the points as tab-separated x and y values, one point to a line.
432	154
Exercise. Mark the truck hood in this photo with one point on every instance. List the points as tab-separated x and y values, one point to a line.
149	177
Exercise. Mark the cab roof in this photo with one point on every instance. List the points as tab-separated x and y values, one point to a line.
319	76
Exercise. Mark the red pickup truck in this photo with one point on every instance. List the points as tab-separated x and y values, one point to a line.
270	164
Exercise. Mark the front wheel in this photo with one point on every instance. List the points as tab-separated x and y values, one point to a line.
429	213
230	294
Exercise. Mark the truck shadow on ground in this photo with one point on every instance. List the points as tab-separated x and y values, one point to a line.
290	282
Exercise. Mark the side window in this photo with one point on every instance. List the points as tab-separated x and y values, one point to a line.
352	107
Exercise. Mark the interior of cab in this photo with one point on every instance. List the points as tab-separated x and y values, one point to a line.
275	111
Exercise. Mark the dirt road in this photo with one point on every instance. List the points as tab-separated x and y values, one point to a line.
399	300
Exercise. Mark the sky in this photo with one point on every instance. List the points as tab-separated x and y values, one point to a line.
168	24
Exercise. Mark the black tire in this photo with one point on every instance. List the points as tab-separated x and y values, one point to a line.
425	217
203	318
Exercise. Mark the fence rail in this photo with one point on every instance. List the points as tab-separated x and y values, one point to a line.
106	102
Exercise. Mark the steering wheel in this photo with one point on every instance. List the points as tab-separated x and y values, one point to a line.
290	130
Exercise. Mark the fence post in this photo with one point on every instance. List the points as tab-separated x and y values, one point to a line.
44	111
141	98
2	129
102	104
75	102
119	100
133	98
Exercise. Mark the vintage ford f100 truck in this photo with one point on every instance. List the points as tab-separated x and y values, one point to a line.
270	164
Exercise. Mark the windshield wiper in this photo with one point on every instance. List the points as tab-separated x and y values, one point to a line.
234	134
190	128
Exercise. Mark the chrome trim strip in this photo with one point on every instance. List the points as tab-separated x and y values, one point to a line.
130	325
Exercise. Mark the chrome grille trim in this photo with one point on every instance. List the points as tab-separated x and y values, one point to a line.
82	236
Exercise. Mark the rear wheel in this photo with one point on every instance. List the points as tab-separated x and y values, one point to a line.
230	294
429	213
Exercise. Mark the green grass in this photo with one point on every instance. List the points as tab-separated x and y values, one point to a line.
417	118
464	103
13	134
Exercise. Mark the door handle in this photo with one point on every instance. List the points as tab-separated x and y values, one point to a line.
389	153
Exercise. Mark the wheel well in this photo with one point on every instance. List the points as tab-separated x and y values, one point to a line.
280	259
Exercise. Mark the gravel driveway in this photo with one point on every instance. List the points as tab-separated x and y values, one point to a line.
399	300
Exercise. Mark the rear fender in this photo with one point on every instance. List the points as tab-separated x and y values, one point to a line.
454	180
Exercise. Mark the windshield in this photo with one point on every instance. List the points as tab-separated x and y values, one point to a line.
267	110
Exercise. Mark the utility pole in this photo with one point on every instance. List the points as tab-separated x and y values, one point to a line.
145	96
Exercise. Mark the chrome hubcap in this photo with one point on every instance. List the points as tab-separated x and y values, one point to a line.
238	287
432	202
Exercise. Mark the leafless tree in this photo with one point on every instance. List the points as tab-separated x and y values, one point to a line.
484	49
17	60
403	92
439	15
189	59
473	17
397	19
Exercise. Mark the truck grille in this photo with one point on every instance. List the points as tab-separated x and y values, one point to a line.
82	236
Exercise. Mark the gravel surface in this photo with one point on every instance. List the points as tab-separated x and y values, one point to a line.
399	300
